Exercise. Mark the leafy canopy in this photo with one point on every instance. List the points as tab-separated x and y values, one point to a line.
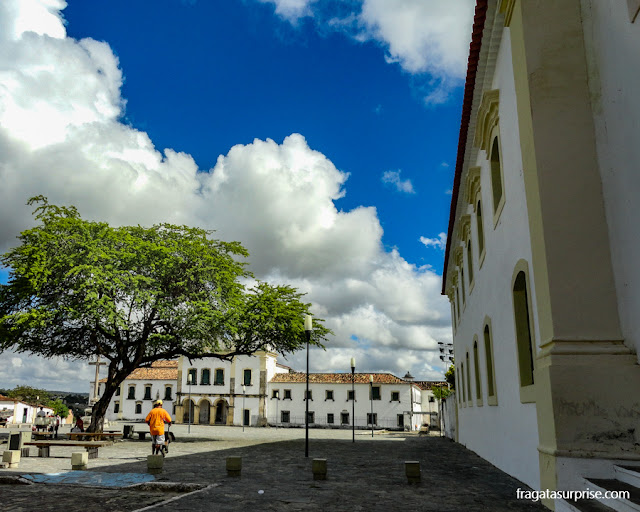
59	408
450	376
440	392
135	295
29	395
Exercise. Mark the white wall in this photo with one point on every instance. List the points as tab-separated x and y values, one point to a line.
515	449
430	406
612	45
387	411
127	409
212	392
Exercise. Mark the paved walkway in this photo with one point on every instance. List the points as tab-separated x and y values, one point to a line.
367	475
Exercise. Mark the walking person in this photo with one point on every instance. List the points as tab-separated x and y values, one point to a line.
156	420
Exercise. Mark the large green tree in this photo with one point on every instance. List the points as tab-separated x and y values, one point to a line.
135	295
27	394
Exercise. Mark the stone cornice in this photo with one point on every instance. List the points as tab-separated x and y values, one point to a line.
488	117
464	228
472	185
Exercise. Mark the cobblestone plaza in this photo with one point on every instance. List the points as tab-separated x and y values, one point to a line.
366	475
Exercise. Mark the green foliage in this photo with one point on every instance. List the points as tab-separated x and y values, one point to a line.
440	392
29	395
450	376
58	407
135	295
272	316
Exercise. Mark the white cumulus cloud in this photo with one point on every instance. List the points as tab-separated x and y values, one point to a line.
424	37
393	178
61	135
440	242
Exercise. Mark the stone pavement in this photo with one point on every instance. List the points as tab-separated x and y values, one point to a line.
362	476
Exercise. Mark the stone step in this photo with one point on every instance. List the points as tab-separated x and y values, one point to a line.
582	506
620	505
628	474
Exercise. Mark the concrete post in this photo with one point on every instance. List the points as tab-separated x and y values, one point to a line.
154	464
79	460
412	470
11	457
234	466
319	468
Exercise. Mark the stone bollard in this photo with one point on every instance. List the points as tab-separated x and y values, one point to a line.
319	468
154	464
11	457
234	466
412	470
79	460
17	440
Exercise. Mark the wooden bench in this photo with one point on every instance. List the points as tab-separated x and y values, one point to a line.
38	436
94	436
90	446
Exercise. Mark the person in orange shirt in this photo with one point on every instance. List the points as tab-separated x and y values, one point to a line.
156	420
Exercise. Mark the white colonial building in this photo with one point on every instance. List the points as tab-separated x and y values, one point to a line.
389	402
258	391
22	413
226	392
134	398
541	266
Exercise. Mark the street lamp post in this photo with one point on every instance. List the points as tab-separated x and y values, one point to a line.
189	382
308	326
371	386
353	399
244	394
446	358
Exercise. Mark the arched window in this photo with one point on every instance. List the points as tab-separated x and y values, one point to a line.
496	175
464	386
470	263
457	305
469	380
523	329
476	371
488	352
480	228
462	285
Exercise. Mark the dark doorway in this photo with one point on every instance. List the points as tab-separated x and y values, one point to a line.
221	412
205	412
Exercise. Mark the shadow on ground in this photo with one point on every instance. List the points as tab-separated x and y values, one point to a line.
362	476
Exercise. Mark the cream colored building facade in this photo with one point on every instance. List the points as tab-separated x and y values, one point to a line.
226	392
541	267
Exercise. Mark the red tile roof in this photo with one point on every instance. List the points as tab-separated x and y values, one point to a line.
467	102
428	384
5	399
338	378
159	370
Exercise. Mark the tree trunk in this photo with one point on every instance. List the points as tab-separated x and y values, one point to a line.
100	407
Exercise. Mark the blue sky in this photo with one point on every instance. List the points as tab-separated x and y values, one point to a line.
201	77
320	133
